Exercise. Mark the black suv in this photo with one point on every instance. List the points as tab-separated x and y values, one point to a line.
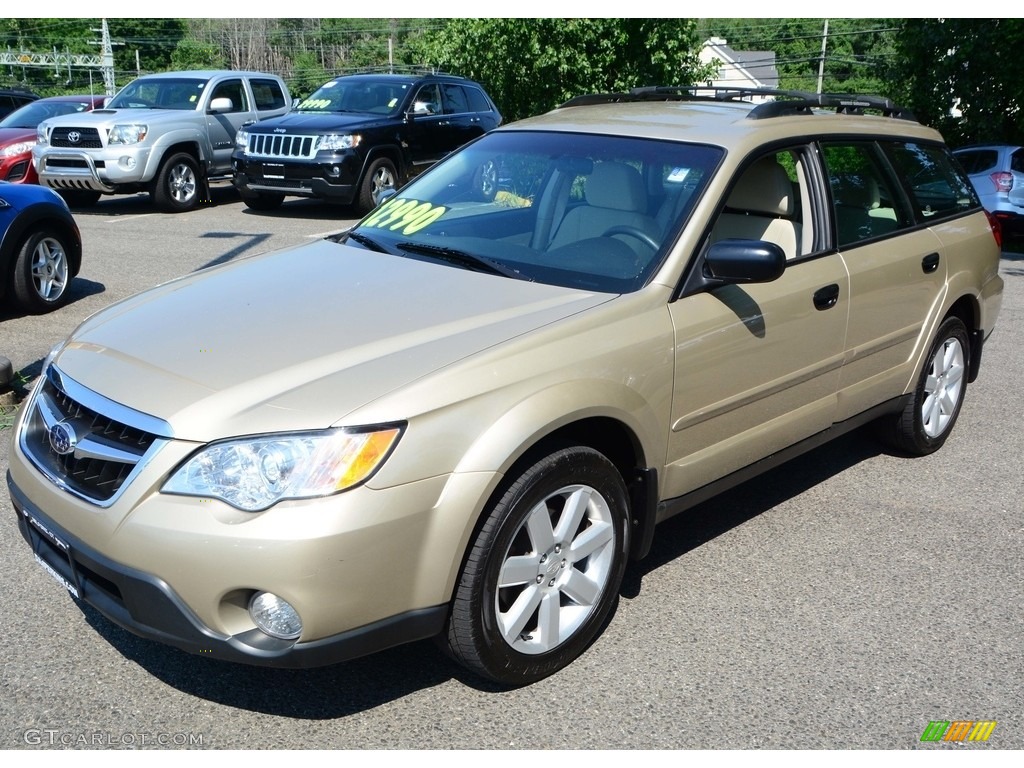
358	135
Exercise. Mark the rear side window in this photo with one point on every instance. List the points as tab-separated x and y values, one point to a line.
863	198
455	102
938	188
978	160
477	101
268	94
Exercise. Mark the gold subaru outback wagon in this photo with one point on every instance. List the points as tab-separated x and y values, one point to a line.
486	395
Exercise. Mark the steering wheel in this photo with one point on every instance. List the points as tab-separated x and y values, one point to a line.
628	231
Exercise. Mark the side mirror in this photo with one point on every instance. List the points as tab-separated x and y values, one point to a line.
744	261
222	104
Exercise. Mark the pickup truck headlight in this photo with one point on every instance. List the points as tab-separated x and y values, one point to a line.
131	133
255	473
17	149
334	141
41	138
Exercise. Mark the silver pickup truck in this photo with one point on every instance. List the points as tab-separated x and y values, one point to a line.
165	134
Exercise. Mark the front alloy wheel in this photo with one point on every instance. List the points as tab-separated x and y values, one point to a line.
543	574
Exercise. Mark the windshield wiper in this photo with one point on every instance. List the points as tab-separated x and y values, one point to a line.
461	258
363	240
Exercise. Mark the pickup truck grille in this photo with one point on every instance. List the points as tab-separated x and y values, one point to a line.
284	147
88	138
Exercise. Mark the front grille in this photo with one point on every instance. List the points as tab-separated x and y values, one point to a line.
284	147
103	452
88	138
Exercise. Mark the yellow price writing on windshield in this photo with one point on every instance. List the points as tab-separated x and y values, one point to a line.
409	216
315	104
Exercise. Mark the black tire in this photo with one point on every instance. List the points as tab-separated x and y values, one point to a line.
79	198
379	176
177	185
42	272
928	418
262	201
566	570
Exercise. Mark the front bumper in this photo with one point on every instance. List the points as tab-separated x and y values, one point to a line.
98	171
330	177
149	607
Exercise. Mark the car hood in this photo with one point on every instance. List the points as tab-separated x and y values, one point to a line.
300	338
109	117
10	136
331	122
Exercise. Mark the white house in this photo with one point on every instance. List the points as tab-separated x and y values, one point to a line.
740	69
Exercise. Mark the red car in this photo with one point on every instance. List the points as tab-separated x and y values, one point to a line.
18	132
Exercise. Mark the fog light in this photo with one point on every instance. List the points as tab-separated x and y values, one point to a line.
335	171
275	616
127	162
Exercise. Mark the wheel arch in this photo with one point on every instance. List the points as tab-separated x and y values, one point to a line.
390	152
43	215
969	311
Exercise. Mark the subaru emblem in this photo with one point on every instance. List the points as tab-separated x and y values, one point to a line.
74	137
63	438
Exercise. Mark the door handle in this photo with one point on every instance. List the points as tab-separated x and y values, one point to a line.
930	263
827	297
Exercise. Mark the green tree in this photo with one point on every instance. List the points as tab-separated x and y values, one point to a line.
532	65
963	77
193	54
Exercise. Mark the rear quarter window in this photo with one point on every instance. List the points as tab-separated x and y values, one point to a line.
937	186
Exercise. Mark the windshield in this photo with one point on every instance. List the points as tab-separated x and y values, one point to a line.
33	114
160	93
376	97
593	212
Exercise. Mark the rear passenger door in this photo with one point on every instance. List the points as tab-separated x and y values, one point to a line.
895	260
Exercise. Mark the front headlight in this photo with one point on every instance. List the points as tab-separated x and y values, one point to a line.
334	141
242	139
17	149
255	473
128	134
41	138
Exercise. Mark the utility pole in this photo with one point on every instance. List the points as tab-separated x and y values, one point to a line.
821	63
106	58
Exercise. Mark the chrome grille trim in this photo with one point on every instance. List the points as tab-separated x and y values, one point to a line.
113	448
283	147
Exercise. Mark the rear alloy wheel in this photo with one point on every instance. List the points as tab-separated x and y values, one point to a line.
177	184
929	417
42	273
544	572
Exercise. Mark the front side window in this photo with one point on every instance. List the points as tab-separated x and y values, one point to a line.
863	198
232	89
592	212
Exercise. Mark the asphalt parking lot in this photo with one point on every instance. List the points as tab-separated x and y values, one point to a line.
843	601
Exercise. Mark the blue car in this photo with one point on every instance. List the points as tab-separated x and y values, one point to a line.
40	248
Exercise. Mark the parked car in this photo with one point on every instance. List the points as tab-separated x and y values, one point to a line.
13	98
997	173
18	132
40	247
462	417
165	134
359	135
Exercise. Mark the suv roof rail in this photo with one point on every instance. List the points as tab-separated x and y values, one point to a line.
400	69
787	102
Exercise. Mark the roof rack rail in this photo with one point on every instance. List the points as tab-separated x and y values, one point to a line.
400	69
786	102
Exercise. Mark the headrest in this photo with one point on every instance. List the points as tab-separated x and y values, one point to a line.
764	188
856	190
618	186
